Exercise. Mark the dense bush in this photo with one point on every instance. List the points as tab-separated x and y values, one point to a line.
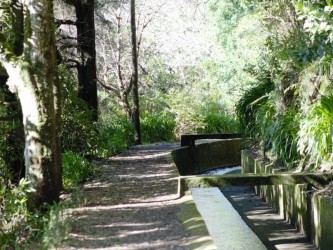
316	130
250	104
78	134
219	123
76	169
283	138
157	126
21	229
14	217
284	113
113	137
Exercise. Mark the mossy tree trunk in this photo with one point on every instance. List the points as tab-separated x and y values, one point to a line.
32	75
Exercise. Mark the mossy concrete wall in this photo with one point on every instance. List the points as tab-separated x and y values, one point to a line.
311	213
195	159
322	221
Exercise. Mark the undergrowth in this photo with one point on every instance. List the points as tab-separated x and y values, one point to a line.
157	127
22	229
44	229
76	170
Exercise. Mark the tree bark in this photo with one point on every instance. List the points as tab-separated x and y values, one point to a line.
33	77
134	79
87	50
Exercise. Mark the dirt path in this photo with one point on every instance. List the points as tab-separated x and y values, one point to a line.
132	205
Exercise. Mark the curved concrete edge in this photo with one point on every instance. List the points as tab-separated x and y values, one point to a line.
216	154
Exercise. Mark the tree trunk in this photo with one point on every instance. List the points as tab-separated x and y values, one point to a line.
134	79
33	77
87	50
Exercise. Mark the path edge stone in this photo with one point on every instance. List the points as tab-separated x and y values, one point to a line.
191	219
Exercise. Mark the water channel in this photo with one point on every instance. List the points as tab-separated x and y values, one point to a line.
237	219
224	224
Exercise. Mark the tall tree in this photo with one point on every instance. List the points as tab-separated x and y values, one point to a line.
86	51
120	42
134	78
86	43
117	66
32	75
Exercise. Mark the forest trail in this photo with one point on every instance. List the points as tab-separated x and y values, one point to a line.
133	204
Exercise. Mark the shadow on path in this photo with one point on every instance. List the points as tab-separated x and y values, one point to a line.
132	205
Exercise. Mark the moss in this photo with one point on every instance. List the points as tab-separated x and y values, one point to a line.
321	219
190	217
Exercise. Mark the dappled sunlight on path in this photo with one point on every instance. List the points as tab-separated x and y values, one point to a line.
132	205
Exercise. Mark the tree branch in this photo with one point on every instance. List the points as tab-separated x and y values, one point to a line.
59	22
108	87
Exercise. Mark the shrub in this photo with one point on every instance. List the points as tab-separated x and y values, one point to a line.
21	229
158	126
315	135
219	123
78	133
55	229
114	137
283	138
76	169
14	216
250	103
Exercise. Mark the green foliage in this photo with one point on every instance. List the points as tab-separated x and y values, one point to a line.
199	110
56	227
262	122
283	137
249	104
315	135
318	24
76	169
278	109
21	229
157	126
228	14
14	216
187	112
219	122
11	133
78	134
114	136
317	17
6	31
242	39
